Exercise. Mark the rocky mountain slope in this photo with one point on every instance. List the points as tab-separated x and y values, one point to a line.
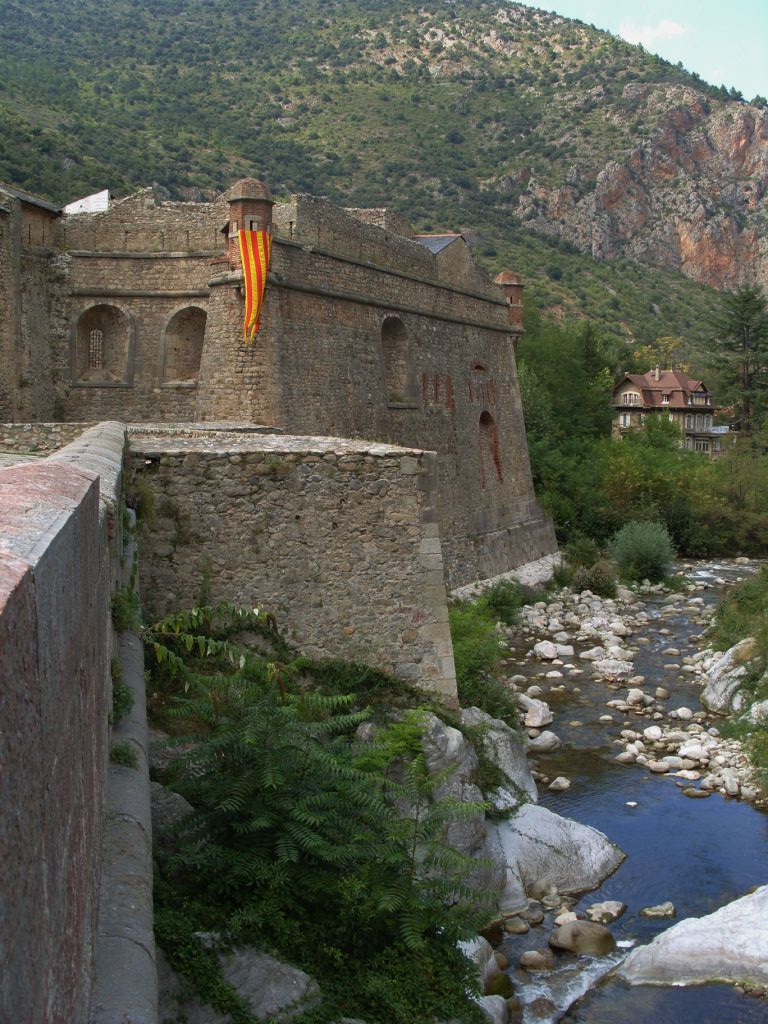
689	197
477	114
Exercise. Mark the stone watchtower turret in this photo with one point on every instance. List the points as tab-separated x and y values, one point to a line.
512	283
250	209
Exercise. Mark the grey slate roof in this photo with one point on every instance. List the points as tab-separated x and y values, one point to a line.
436	243
27	197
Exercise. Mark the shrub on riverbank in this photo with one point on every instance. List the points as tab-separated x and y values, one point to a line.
642	550
743	612
299	829
478	648
600	578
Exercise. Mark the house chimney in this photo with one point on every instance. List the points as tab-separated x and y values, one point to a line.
657	374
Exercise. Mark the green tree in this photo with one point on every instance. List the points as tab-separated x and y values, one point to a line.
741	353
668	352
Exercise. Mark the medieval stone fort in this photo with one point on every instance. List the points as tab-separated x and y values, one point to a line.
364	456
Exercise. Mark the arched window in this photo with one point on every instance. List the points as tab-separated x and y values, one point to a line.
183	345
102	347
96	350
397	376
689	422
490	456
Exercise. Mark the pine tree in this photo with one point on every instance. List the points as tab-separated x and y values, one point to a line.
742	352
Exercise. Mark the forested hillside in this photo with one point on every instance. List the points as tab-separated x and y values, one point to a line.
492	117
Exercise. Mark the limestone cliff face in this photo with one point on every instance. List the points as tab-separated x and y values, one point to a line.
690	197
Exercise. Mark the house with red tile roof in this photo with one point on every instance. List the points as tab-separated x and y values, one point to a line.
672	393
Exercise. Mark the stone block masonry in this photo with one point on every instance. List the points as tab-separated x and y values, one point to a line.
339	539
59	551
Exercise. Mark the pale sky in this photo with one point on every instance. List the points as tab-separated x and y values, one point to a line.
725	43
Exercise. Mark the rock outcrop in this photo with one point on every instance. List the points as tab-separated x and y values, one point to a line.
729	945
273	991
544	851
725	675
689	197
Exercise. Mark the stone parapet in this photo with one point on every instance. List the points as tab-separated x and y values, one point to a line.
338	538
59	555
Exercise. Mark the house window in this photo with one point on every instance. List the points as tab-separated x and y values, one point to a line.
702	444
96	350
665	399
689	443
689	422
625	419
630	398
699	422
708	422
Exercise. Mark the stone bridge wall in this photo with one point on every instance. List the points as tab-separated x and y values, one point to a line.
60	542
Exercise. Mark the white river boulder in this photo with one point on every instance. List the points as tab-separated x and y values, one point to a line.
726	675
729	945
543	850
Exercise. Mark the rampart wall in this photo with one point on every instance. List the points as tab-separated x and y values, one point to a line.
10	288
339	539
60	547
39	438
365	333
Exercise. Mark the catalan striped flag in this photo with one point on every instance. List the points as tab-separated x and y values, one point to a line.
255	248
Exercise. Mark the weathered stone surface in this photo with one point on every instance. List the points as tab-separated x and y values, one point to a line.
545	649
660	910
729	945
168	809
585	937
726	675
505	749
606	911
544	743
60	557
494	1008
613	668
271	989
543	849
265	506
447	748
537	960
537	712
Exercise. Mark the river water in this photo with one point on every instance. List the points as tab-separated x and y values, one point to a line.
699	854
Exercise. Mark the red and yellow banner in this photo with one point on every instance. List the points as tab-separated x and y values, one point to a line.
255	248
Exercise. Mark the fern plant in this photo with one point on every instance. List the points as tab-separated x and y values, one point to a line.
299	823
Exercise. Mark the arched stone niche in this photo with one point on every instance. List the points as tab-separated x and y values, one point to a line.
490	455
399	381
102	346
183	346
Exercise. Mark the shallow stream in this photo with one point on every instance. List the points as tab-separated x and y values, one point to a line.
699	854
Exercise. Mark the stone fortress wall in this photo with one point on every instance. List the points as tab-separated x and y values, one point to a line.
136	313
404	356
339	539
